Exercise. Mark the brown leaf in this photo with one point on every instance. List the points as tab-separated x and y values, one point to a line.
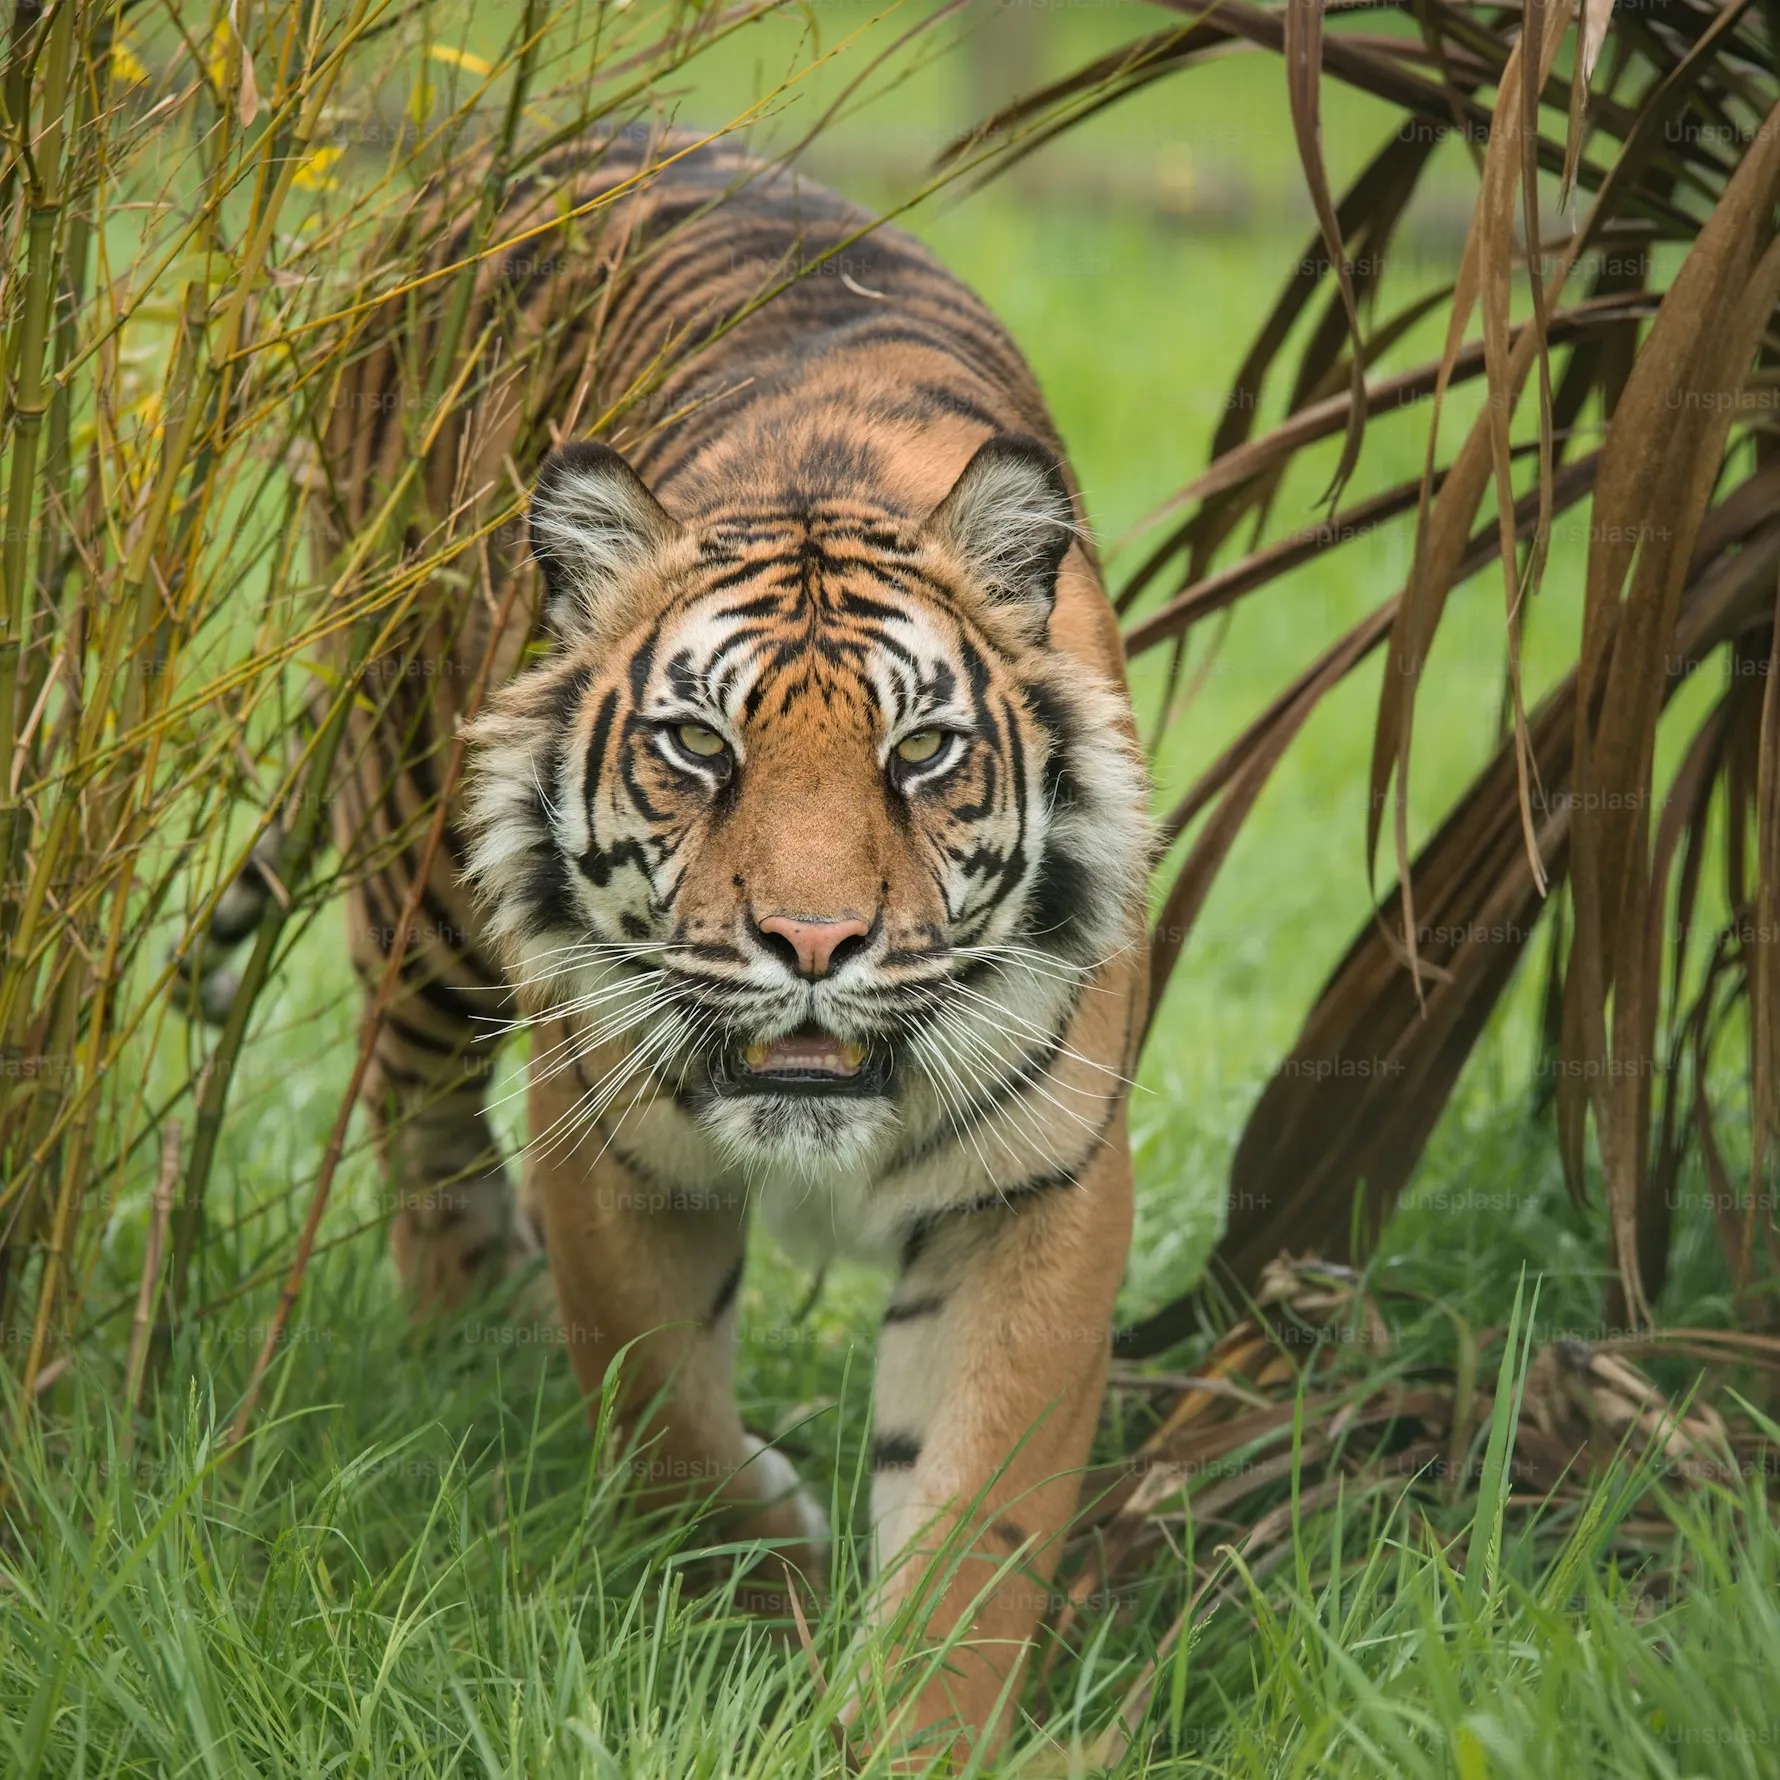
1239	775
1596	15
1593	32
1262	456
1662	455
1217	591
1261	752
1444	522
1370	1072
1304	66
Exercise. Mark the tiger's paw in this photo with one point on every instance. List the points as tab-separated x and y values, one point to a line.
791	1522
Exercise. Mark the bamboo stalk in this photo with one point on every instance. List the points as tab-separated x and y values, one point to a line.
142	1324
130	520
25	357
446	375
373	1023
302	844
68	1197
300	775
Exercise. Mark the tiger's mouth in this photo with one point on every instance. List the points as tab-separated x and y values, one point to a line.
810	1060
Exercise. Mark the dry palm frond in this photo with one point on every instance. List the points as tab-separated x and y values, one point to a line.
1315	1367
1672	142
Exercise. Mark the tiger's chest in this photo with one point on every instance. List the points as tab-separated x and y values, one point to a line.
814	1214
815	1220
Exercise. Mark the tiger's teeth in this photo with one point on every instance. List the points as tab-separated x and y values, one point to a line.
806	1054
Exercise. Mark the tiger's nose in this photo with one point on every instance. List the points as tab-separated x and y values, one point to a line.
810	946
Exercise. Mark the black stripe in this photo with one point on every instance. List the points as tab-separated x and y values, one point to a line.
739	575
732	1283
1062	892
727	405
1009	1199
443	999
478	1254
1037	1187
596	750
914	1308
894	1452
626	1159
546	894
421	1041
915	1240
1053	717
566	696
951	401
655	287
960	348
924	403
695	263
447	931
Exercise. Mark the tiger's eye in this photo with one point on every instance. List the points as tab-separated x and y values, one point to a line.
921	746
695	738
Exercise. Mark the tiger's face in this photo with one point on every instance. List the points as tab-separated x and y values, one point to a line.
803	809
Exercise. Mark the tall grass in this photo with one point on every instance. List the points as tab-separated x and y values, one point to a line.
202	206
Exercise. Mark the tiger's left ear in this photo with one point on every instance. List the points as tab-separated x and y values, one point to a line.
594	529
1009	521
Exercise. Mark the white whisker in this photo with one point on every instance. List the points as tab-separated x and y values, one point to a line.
960	1118
1034	1083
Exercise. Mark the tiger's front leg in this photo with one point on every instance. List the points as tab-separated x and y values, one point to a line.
991	1366
654	1268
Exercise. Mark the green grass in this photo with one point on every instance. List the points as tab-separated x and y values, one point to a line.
423	1564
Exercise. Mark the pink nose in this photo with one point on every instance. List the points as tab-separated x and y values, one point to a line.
814	943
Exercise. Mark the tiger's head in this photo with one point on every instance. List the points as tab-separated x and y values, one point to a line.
803	806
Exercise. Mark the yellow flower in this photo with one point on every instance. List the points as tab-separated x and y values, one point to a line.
218	65
459	58
126	65
316	172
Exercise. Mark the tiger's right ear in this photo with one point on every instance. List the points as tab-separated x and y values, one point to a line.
593	527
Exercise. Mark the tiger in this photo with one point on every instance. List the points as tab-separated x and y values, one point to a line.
804	830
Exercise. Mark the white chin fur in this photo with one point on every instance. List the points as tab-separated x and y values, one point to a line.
810	1137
